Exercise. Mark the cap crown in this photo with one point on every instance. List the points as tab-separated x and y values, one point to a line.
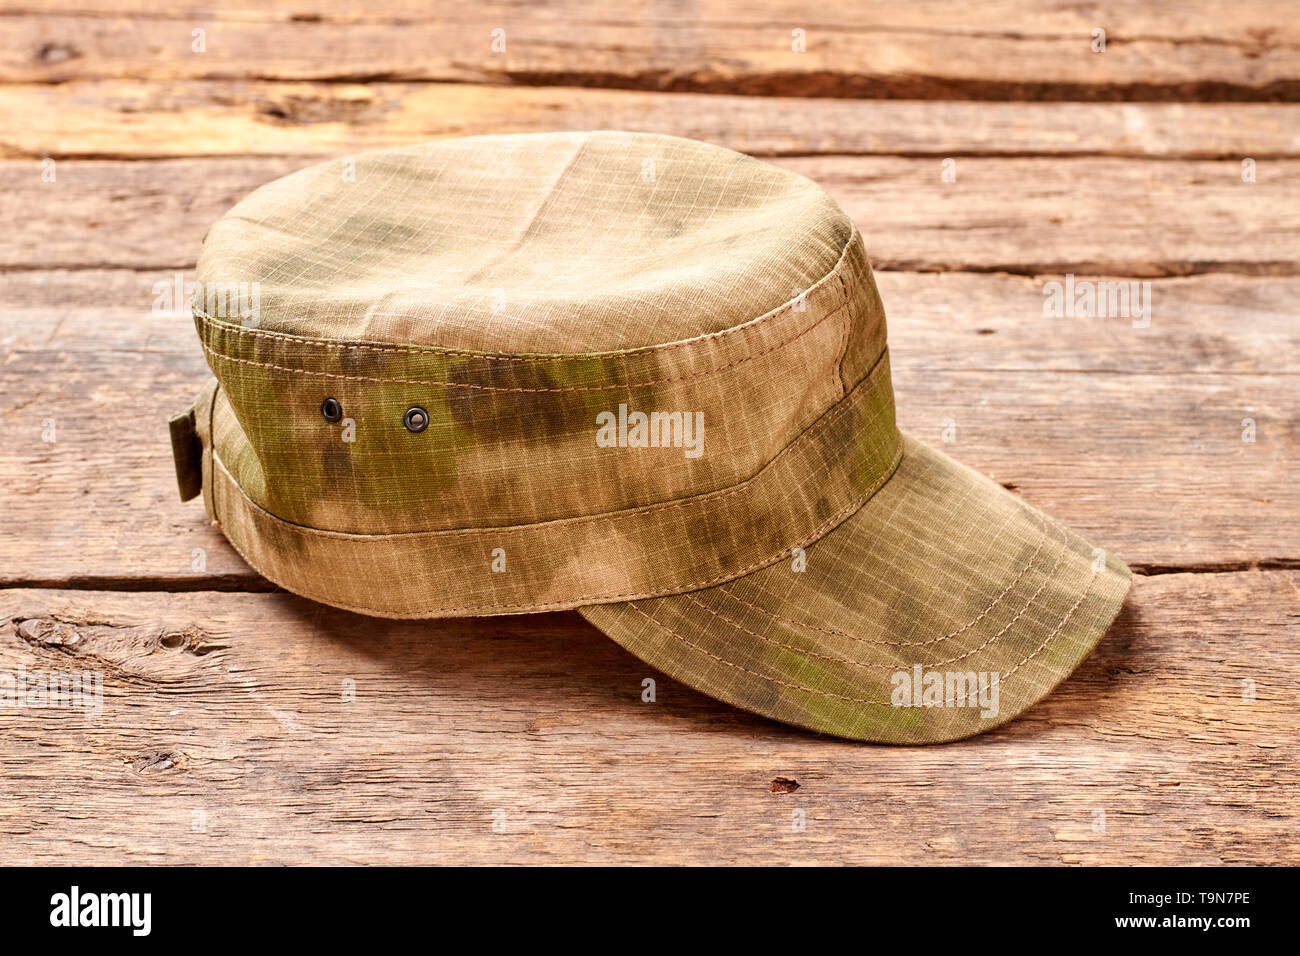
536	295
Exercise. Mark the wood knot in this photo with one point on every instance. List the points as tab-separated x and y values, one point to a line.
190	639
158	761
56	53
48	633
337	108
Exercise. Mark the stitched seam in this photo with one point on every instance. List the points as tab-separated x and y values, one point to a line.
497	388
840	408
936	640
838	268
816	533
844	660
848	332
1092	580
859	700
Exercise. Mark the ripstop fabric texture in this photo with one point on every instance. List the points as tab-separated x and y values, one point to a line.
657	389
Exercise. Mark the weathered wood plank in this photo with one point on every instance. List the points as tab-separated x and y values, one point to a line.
226	736
1212	324
1008	49
1132	435
144	120
1084	215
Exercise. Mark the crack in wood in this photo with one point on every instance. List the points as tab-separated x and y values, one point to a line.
1149	569
224	584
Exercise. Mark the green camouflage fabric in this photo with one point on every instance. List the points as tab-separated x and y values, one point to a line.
635	375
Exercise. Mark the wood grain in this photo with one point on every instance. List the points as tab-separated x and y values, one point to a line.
1101	215
134	119
225	737
1001	50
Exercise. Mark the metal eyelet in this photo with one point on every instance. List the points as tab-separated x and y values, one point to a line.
416	419
331	409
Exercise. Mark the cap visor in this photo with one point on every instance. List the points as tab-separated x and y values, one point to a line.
942	608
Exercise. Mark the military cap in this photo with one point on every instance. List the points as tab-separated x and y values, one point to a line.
634	375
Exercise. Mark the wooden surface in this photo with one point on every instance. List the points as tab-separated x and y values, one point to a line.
230	732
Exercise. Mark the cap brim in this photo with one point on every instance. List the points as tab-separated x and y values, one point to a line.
942	608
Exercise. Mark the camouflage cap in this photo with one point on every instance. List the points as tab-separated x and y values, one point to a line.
635	375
